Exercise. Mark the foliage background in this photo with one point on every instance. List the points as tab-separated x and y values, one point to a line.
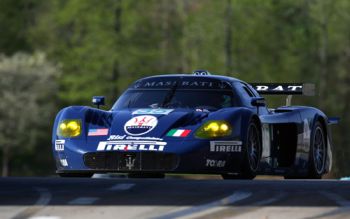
96	47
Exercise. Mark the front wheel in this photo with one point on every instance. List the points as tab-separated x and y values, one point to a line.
252	154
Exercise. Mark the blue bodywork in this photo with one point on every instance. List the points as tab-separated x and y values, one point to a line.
285	134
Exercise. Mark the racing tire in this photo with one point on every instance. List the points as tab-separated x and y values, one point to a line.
318	151
146	175
252	154
317	154
81	175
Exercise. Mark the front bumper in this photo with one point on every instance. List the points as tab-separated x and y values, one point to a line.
178	157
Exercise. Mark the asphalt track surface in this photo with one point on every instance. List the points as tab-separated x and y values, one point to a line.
59	198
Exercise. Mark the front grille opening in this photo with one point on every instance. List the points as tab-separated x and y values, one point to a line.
131	161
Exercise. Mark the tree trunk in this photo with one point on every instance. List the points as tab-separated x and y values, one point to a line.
164	44
118	14
324	62
228	38
323	54
183	11
115	77
5	161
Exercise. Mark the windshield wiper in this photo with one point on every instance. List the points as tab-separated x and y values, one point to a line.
170	95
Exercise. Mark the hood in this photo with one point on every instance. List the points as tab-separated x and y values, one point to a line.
148	129
153	123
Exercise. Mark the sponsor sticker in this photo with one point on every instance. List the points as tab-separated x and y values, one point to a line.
131	145
152	111
215	163
125	137
178	133
196	83
97	132
140	125
116	137
279	87
59	145
225	146
64	162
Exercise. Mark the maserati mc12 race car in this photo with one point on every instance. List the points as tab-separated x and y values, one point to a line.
198	124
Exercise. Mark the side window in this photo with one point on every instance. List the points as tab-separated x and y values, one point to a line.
256	94
249	92
245	93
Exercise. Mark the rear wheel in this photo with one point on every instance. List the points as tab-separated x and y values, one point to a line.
252	154
317	154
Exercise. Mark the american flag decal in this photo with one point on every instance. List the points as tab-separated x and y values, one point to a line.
98	132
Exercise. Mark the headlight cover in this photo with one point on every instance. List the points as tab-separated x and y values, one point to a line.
69	128
214	129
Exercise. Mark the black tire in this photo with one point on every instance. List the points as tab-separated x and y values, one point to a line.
252	154
147	175
317	154
81	175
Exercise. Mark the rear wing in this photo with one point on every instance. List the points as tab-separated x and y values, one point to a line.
289	89
305	89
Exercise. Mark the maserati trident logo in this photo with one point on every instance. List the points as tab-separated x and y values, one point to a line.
130	162
140	125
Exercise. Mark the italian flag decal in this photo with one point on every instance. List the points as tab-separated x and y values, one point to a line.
178	132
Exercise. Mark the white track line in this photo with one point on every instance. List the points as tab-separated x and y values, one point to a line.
45	196
336	198
45	217
260	204
208	208
83	201
122	186
43	200
270	200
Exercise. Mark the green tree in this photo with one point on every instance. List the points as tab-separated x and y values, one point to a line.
105	45
16	18
27	89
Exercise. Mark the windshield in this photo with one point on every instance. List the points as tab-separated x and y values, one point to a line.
180	98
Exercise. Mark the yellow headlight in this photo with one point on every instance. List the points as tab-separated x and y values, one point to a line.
73	125
69	128
214	128
63	126
224	127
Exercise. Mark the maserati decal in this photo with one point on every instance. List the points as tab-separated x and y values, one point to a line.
140	125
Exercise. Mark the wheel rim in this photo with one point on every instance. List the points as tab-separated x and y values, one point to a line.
319	150
253	147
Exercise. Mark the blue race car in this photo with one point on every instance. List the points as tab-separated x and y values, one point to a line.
194	123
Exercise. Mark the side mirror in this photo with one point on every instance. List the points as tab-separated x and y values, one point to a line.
98	101
258	101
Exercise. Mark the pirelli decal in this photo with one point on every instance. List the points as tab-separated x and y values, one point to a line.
131	146
225	146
